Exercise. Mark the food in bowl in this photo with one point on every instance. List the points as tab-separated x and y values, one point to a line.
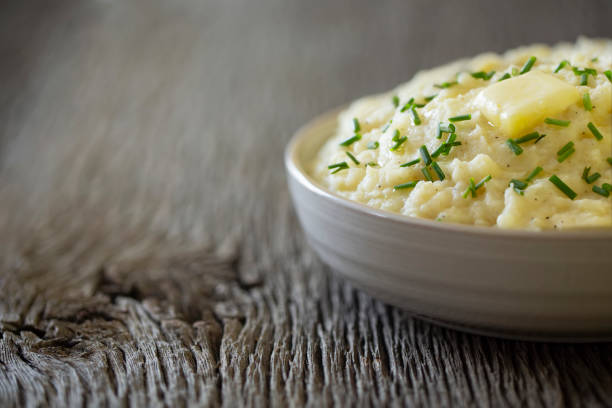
521	140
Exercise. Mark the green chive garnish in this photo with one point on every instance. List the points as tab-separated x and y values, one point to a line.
542	136
398	143
557	122
408	105
515	71
438	171
565	152
518	186
609	160
425	155
470	189
450	128
565	148
528	65
349	154
514	147
415	116
445	85
584	79
338	166
607	187
561	65
595	131
589	178
586	102
410	163
351	140
527	137
426	174
608	75
430	98
534	173
396	101
371	164
562	186
601	191
410	184
481	182
482	75
504	77
460	118
373	145
356	125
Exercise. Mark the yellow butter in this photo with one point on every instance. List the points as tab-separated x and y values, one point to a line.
520	103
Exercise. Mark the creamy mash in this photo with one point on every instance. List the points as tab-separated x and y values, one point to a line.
519	140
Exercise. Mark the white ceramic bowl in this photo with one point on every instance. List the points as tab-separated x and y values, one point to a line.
553	285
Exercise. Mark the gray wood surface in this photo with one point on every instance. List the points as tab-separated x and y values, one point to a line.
149	254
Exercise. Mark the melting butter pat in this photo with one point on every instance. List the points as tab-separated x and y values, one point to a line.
520	103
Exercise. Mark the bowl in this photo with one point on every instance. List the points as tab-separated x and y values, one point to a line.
538	285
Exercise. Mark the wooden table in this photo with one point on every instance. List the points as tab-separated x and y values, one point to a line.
149	251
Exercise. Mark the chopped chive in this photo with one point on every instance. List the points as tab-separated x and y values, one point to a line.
417	105
504	77
396	100
384	129
373	145
586	102
438	171
439	150
557	122
593	178
561	65
407	105
398	143
542	136
595	131
410	184
562	186
338	166
426	174
584	79
608	75
601	191
595	59
460	118
609	160
415	116
561	158
482	75
356	125
371	164
515	71
590	179
534	173
565	148
450	128
585	71
396	135
527	137
518	186
482	182
514	147
607	187
430	97
471	189
444	85
425	155
351	140
410	163
350	155
528	65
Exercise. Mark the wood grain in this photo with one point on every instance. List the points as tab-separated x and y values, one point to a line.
149	254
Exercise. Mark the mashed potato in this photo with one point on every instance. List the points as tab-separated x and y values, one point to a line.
520	140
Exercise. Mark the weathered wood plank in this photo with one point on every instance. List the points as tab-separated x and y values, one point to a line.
149	253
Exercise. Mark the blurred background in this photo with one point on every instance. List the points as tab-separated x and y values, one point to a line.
149	110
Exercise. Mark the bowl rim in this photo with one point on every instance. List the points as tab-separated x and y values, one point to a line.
296	170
